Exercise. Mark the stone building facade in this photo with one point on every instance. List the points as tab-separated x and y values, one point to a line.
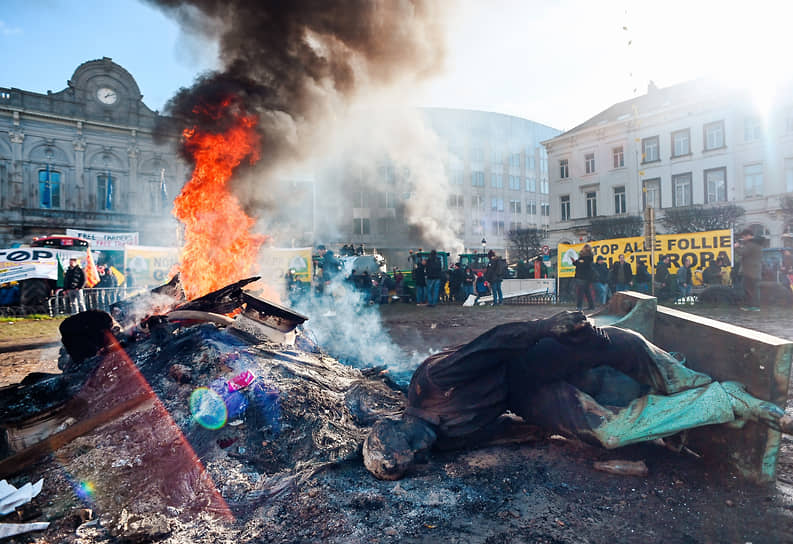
497	172
85	158
695	143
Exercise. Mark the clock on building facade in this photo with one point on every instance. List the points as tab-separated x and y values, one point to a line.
106	95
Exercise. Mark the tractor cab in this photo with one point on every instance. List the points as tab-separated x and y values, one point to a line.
477	261
417	256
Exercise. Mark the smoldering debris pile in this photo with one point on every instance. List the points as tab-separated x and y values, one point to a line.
185	413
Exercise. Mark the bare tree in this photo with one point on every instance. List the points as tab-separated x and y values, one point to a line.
527	243
700	218
603	228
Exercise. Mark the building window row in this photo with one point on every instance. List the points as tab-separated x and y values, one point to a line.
752	128
713	135
715	185
531	207
681	190
50	190
591	204
650	152
456	201
618	157
361	226
531	185
619	200
565	207
681	143
753	180
589	163
712	138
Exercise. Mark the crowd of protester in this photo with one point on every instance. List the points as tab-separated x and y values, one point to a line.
595	280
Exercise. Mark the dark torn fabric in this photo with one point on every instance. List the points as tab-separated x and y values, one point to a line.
462	390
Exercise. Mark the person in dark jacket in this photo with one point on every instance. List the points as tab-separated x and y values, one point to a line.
584	274
73	283
642	279
684	278
107	284
621	275
712	274
420	280
468	282
666	283
496	270
330	264
434	275
601	280
750	249
456	279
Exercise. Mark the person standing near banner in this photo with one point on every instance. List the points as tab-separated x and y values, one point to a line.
621	275
601	280
584	274
751	251
73	282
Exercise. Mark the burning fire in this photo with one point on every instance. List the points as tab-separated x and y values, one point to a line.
219	245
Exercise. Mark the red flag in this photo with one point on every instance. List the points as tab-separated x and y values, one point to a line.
91	272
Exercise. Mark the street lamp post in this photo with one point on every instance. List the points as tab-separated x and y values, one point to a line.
484	245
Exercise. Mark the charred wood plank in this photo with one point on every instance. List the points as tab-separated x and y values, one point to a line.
23	459
222	301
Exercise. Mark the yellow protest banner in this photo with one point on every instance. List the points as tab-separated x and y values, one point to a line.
274	263
701	247
149	266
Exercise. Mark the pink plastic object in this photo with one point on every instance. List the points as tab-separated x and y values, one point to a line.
241	380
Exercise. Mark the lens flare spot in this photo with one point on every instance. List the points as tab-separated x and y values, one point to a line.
208	408
85	490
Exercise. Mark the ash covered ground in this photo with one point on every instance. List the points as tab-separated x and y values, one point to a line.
304	481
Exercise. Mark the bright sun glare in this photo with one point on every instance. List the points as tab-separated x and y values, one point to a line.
745	46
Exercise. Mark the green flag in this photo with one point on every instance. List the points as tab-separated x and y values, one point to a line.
60	272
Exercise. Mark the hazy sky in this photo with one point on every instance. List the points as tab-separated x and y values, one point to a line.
555	62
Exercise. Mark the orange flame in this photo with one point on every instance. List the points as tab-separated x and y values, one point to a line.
219	245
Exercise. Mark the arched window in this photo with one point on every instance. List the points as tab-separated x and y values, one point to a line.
49	188
106	188
159	199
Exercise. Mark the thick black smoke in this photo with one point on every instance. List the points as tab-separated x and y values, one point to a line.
292	61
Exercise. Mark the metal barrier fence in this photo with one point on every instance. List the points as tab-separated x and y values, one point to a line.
65	303
536	298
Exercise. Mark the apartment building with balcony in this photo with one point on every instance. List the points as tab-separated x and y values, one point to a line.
696	143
